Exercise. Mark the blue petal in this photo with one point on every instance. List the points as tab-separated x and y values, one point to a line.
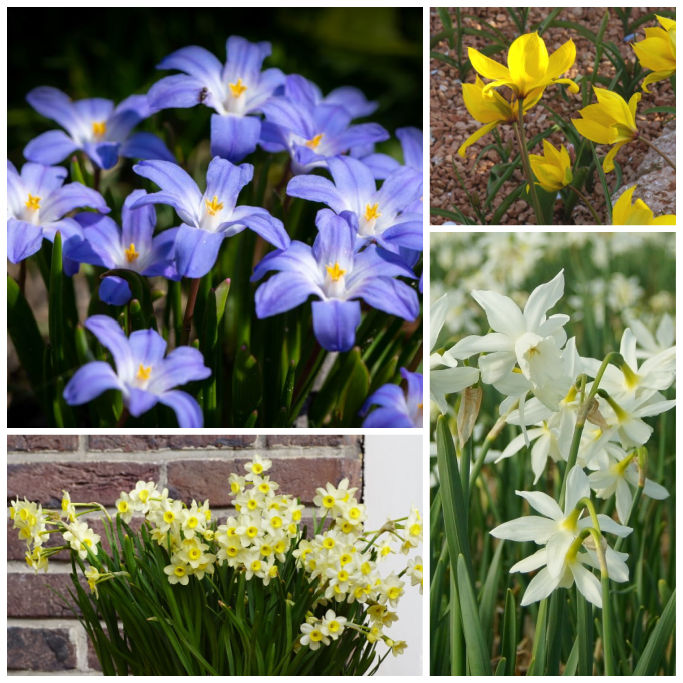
335	323
381	165
128	113
315	188
196	250
261	222
93	109
331	120
179	91
140	401
23	239
115	291
103	154
55	105
111	336
184	364
70	197
137	224
408	234
42	180
16	193
355	182
197	62
387	417
391	296
285	114
186	409
101	244
225	181
146	146
411	142
234	137
335	241
387	396
298	258
245	59
361	134
89	382
147	348
162	259
178	188
301	91
414	382
50	147
282	292
399	190
353	100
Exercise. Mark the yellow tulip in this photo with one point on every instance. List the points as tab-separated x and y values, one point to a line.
530	69
639	213
657	51
609	122
554	170
491	109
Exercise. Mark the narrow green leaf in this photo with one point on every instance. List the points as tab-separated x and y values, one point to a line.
508	648
658	642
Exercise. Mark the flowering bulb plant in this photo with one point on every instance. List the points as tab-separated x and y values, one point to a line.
554	477
179	248
172	590
583	110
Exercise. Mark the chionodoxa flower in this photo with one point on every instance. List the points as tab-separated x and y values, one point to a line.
609	122
657	51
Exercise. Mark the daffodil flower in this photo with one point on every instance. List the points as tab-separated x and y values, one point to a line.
530	69
554	170
490	108
609	122
657	51
637	213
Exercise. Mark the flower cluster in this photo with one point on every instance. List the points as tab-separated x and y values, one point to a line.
368	241
586	412
340	564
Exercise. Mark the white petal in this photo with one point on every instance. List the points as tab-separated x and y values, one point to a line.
539	455
518	443
557	547
530	528
495	366
502	312
476	344
617	569
654	490
609	526
628	349
540	587
534	412
450	381
578	487
636	431
437	317
543	298
543	503
587	583
624	500
531	563
654	408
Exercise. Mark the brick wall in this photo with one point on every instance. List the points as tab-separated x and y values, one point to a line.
42	635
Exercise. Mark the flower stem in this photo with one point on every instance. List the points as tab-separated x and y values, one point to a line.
22	276
189	310
96	179
659	151
524	154
584	199
124	417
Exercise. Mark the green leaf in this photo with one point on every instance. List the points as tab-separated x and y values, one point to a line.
246	385
658	642
356	390
477	653
508	648
487	599
140	290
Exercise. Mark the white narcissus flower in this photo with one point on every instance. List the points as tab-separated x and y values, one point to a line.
652	345
526	338
625	417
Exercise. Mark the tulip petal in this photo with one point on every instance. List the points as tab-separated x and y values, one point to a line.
487	67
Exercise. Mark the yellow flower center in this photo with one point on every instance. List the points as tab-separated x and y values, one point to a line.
257	468
344	559
144	373
179	571
213	206
192	522
33	203
236	89
335	273
194	554
252	531
328	501
415	529
315	635
122	506
256	565
394	592
354	513
333	626
371	212
131	254
314	141
342	575
99	128
329	543
276	522
143	495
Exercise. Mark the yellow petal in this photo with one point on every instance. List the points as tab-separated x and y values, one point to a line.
622	206
592	130
487	67
653	78
573	88
608	161
655	53
482	108
475	136
632	105
561	60
667	219
527	62
666	24
614	105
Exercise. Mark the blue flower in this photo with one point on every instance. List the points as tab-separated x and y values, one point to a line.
396	408
94	126
131	247
381	215
334	272
312	129
37	201
236	91
143	375
382	165
210	217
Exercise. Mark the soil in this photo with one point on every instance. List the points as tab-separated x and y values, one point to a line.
451	123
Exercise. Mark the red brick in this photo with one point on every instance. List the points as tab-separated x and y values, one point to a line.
39	649
85	481
151	443
319	440
42	443
296	476
33	595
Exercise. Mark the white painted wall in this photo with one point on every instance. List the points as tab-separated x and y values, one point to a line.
393	482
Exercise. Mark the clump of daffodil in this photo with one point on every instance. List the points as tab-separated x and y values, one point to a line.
530	69
637	213
491	109
609	122
554	170
657	51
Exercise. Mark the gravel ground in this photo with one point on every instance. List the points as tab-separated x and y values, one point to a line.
451	123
